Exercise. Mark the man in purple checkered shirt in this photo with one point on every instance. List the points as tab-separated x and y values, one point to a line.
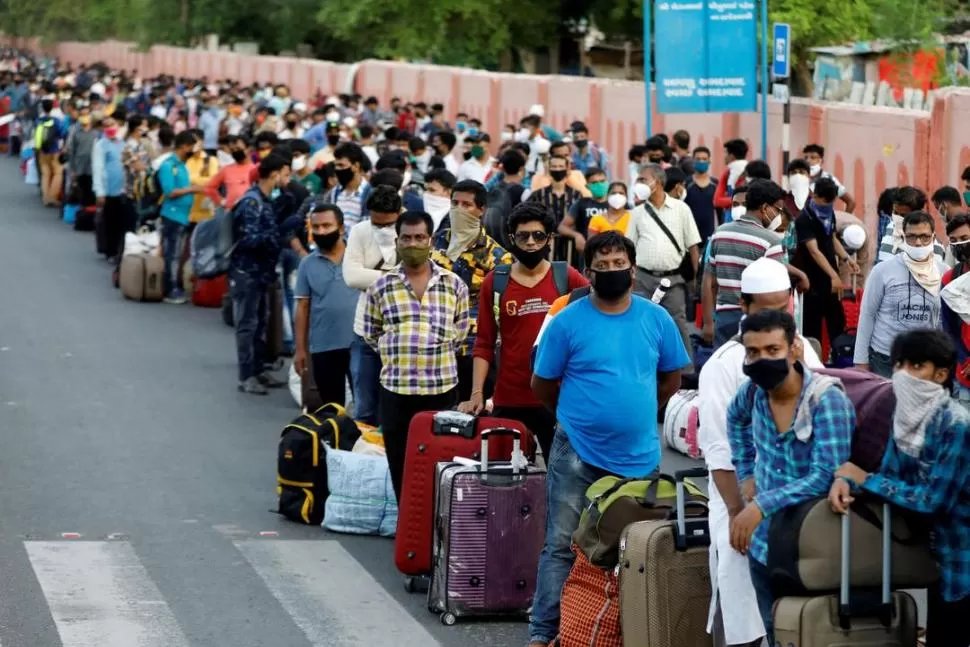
789	430
415	317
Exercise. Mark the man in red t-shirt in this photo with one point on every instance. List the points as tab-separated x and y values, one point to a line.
531	285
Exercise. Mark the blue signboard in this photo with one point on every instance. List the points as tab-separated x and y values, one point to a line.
706	56
781	59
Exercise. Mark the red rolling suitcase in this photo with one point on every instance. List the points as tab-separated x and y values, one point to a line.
208	293
436	437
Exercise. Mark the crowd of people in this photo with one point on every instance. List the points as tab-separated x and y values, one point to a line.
419	256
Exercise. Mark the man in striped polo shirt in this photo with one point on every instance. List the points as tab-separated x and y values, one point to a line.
734	246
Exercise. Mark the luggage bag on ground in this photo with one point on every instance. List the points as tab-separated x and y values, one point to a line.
84	218
208	293
852	617
140	277
681	422
436	437
361	499
874	402
589	608
805	548
664	576
301	478
490	522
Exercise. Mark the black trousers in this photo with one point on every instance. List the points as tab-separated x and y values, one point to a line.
466	370
394	413
946	622
820	309
110	225
331	370
538	420
85	190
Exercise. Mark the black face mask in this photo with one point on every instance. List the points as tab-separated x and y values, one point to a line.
333	140
655	160
327	241
961	252
239	156
467	155
344	175
530	259
558	176
291	125
767	373
581	143
612	284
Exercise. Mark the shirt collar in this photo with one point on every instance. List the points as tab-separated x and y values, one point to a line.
435	272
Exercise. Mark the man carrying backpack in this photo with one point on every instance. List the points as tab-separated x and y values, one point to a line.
514	301
48	140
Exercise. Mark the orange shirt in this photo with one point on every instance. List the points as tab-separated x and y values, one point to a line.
599	223
235	177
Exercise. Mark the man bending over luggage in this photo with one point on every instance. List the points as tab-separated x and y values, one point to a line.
789	431
927	469
765	285
629	353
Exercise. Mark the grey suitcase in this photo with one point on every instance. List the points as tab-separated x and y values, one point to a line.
665	577
489	527
840	620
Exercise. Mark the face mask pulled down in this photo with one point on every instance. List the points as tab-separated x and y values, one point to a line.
465	228
530	258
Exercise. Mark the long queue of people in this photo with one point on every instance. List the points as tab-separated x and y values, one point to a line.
418	268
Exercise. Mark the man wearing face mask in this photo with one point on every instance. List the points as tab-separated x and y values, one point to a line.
576	223
923	472
789	430
733	247
666	237
700	194
905	200
415	316
436	198
467	250
252	270
901	294
818	255
814	156
477	165
326	154
302	172
520	296
587	155
954	299
209	123
232	181
108	182
629	352
765	285
352	189
559	198
325	307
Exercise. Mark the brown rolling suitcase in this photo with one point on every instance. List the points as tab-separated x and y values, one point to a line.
665	581
140	277
850	618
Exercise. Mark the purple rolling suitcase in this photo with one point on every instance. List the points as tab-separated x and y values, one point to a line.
490	522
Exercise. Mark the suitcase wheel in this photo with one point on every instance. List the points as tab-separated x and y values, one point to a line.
448	619
416	584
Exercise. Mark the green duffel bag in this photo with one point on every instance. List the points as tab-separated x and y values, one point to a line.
615	503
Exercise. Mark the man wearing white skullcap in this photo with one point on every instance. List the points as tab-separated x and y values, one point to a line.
765	285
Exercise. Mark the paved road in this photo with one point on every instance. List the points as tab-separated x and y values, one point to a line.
120	422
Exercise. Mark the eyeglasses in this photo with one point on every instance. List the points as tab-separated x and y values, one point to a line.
922	239
522	237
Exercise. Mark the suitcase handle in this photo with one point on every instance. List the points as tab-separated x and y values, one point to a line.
516	447
886	608
697	532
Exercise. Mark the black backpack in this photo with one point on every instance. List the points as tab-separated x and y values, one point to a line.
302	461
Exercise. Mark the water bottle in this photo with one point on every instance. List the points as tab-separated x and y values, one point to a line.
661	291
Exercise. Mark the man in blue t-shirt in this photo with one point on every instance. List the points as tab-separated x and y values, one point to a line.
605	364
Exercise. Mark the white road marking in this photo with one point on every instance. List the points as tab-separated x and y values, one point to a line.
100	595
331	597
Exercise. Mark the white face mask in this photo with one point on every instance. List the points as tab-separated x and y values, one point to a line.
507	136
543	146
225	159
617	201
523	135
775	223
437	206
385	237
642	191
299	163
799	189
332	116
737	211
918	253
815	169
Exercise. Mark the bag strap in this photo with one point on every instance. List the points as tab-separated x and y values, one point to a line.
500	281
579	293
660	223
867	514
560	276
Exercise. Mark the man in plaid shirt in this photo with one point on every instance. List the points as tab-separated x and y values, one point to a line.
926	470
789	430
415	317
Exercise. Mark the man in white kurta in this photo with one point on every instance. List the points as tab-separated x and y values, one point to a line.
764	286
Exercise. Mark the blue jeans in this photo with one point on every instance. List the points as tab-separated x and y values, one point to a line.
880	364
766	599
172	240
567	479
365	371
290	262
249	308
726	326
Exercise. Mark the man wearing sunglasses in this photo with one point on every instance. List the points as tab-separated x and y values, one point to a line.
514	301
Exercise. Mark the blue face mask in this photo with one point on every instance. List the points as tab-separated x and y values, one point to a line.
472	132
460	126
702	167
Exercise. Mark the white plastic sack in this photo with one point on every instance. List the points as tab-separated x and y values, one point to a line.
361	500
32	177
957	295
681	422
296	386
143	242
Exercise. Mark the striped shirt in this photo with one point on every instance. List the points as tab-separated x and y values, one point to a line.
733	247
417	339
788	471
936	483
